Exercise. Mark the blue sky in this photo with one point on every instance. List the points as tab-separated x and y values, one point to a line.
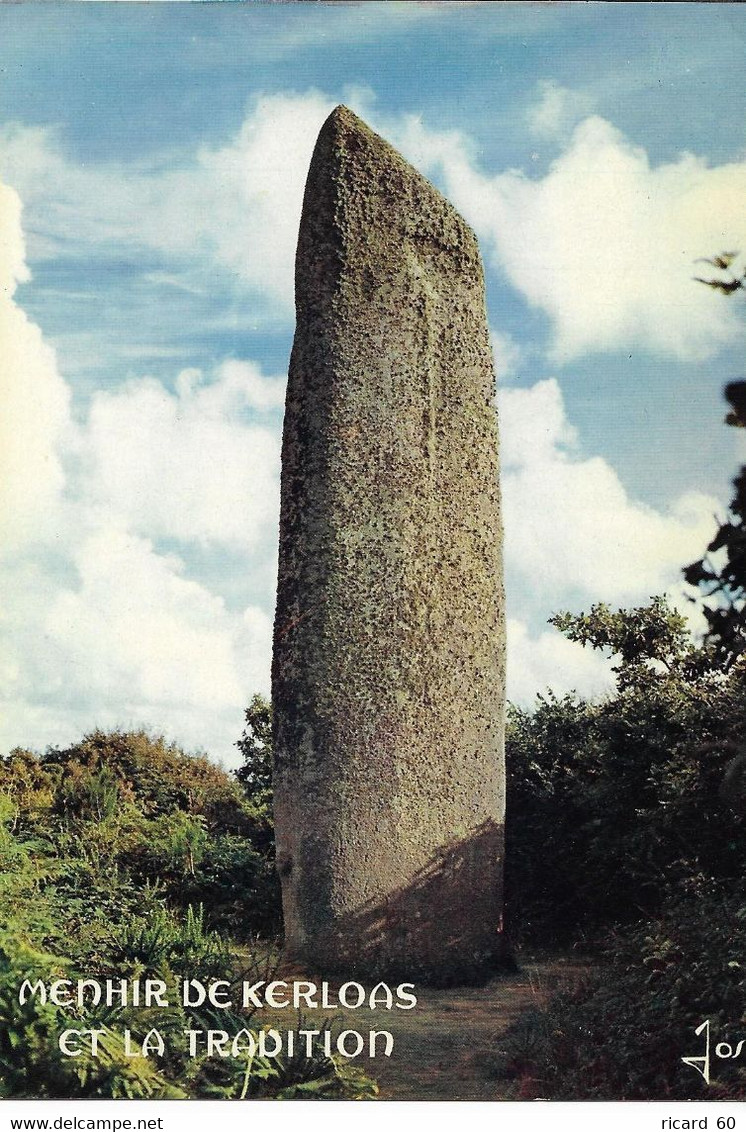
152	159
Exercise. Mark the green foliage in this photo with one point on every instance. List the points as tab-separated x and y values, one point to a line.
650	641
294	1077
629	818
159	777
727	281
159	940
255	778
721	574
639	780
90	825
31	1064
621	1034
322	1078
124	857
632	808
93	795
255	746
238	884
180	841
721	579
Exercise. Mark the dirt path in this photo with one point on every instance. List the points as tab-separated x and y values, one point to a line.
447	1047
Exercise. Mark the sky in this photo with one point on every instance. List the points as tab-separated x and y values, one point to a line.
152	164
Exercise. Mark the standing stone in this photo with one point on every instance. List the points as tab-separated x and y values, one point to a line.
388	668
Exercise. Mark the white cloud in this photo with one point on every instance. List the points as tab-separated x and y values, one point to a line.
556	110
255	190
242	385
13	269
35	399
604	243
115	631
98	627
136	633
571	526
123	637
187	465
549	662
127	641
237	206
134	623
574	537
507	354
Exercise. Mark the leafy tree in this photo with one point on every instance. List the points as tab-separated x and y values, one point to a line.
255	746
184	838
720	574
626	824
650	641
727	281
629	818
612	805
722	579
121	855
89	794
88	826
158	776
255	778
620	1033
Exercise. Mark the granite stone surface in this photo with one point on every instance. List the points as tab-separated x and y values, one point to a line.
388	663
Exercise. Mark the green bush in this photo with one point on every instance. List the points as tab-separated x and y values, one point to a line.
88	827
124	857
159	939
621	1034
639	778
31	1064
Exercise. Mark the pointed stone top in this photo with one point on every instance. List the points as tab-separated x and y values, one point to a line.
343	128
344	115
347	129
359	182
344	119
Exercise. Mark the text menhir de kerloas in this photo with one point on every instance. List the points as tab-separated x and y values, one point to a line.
220	993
